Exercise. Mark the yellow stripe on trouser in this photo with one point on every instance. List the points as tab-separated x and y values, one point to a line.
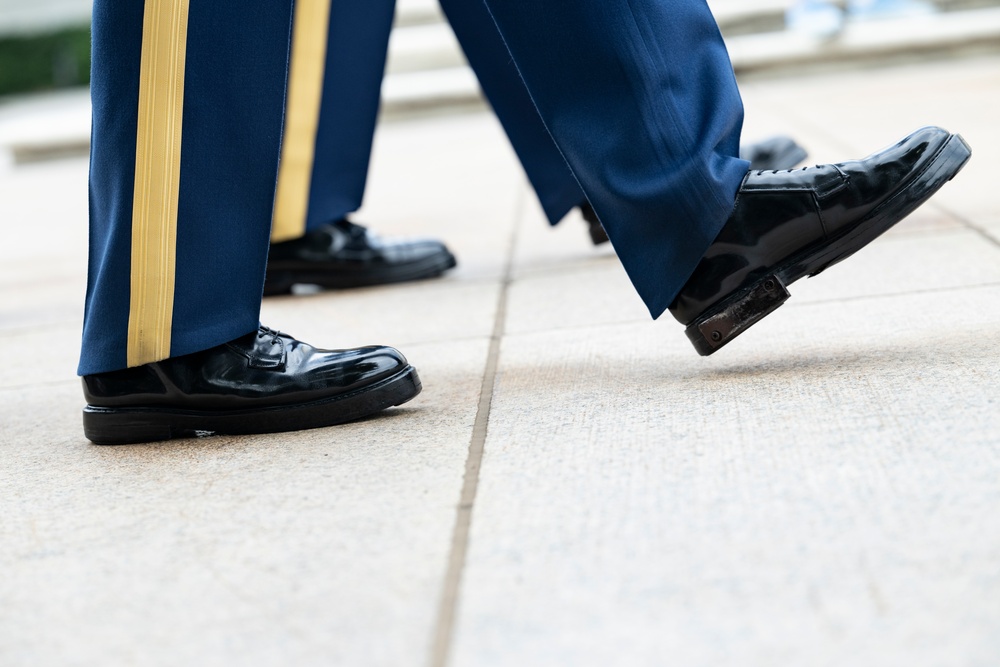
157	180
305	91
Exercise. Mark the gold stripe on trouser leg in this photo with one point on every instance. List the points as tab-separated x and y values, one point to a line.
157	180
305	91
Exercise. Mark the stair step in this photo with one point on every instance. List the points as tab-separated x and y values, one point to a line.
427	78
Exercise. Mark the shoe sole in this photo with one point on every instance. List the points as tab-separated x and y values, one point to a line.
723	322
134	425
280	280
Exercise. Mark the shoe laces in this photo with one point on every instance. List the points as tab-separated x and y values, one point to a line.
761	172
263	332
355	231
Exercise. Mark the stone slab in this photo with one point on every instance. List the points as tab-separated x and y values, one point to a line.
906	263
312	548
598	292
541	248
430	311
43	215
456	179
808	496
42	355
33	299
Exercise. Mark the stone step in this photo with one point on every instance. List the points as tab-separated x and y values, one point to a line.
875	41
755	31
427	69
734	16
417	12
425	78
422	39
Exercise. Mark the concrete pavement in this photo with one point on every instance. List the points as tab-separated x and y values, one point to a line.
574	486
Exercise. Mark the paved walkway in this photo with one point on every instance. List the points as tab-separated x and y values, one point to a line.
574	486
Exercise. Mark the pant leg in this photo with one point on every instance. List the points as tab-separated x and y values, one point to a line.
641	99
338	59
326	156
553	182
187	109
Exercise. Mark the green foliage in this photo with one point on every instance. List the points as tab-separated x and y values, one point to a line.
43	62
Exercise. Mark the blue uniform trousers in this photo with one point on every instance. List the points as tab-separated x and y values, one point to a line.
188	99
344	136
553	181
641	99
329	131
638	95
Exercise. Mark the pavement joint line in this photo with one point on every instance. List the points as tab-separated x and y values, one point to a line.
964	220
441	282
451	589
806	304
893	295
586	265
429	342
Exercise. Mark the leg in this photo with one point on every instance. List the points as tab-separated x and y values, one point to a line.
653	146
338	57
187	116
553	181
641	99
177	182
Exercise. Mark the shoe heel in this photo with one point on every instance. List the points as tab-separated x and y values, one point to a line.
735	316
111	427
960	152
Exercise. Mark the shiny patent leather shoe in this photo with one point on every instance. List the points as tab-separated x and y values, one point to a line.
775	153
264	382
795	223
342	255
594	226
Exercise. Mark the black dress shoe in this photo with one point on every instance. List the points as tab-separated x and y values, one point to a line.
795	223
594	226
343	254
775	153
263	382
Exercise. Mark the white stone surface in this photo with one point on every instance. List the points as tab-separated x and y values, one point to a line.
822	492
817	495
314	548
427	73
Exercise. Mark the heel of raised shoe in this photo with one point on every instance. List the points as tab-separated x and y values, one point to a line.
733	317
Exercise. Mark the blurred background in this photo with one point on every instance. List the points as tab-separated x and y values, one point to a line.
45	57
